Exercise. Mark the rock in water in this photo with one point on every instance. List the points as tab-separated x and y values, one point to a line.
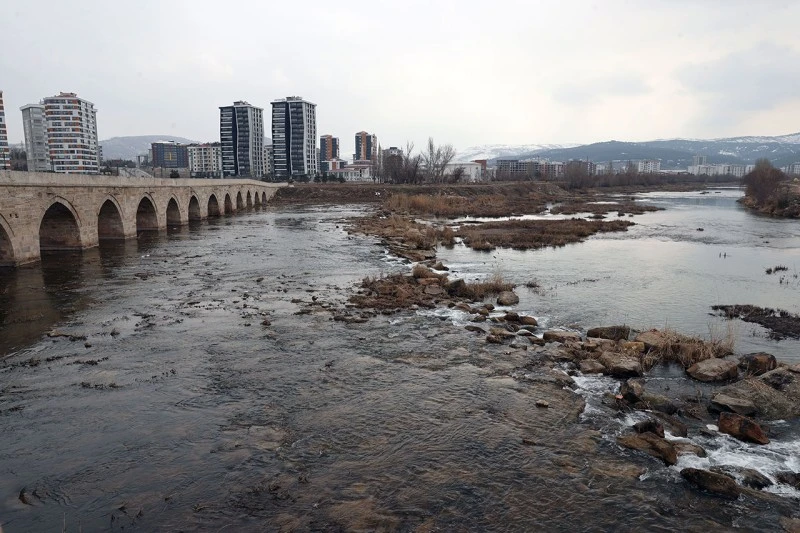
590	366
614	333
759	363
507	298
652	444
750	477
712	482
632	390
713	370
649	425
723	402
741	428
557	335
620	365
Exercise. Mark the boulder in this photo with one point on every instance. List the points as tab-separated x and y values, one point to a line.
620	365
652	444
538	341
507	298
776	394
712	482
511	317
687	448
434	290
748	477
457	287
656	402
741	428
491	339
789	478
713	370
501	333
558	335
632	390
614	333
633	347
654	339
590	366
675	426
755	364
649	425
475	329
528	321
524	333
723	402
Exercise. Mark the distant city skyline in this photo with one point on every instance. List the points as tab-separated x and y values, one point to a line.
467	74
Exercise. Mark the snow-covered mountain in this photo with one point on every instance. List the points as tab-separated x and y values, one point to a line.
494	151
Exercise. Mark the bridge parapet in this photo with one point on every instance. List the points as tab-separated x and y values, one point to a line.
47	211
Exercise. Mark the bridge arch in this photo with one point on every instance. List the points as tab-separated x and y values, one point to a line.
173	213
239	201
263	198
228	204
146	215
249	201
109	220
256	199
194	208
60	227
213	206
7	257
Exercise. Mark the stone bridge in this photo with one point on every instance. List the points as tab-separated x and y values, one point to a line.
43	212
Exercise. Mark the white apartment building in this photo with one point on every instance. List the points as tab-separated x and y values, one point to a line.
471	171
72	134
205	160
34	126
5	158
241	133
647	166
268	166
792	170
720	170
352	173
294	137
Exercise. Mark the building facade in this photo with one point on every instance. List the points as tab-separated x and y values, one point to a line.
737	171
328	148
34	126
294	137
647	166
470	172
71	124
241	133
169	154
204	160
792	170
269	168
366	147
5	155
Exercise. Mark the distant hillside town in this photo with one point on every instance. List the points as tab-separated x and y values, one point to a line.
61	136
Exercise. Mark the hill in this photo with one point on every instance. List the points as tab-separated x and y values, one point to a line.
130	147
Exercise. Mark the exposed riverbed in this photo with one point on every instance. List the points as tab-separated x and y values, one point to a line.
201	400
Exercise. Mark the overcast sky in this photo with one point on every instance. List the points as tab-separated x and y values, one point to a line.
465	72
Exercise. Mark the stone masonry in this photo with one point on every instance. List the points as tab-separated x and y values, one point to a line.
75	211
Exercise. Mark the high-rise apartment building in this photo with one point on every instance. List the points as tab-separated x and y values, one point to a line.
328	148
205	160
268	169
241	133
294	137
366	147
5	158
72	134
169	154
35	127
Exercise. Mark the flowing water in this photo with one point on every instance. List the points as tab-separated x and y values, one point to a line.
213	390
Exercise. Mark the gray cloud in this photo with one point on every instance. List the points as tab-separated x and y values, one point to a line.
748	81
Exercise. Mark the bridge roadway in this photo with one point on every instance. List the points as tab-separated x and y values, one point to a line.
44	211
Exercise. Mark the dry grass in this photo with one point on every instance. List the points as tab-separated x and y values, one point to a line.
533	234
590	206
494	285
687	351
459	204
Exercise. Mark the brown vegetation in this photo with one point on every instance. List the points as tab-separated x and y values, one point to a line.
533	234
768	190
674	347
484	205
781	323
574	207
404	237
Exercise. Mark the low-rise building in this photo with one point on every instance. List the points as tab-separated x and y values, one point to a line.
792	170
352	172
205	160
471	171
720	170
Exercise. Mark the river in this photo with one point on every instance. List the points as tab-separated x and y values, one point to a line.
213	390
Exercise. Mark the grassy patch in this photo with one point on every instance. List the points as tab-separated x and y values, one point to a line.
533	234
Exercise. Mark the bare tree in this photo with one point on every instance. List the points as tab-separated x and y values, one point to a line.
436	159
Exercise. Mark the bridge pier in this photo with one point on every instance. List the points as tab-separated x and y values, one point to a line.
43	211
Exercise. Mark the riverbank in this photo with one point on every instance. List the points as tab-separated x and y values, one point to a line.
784	202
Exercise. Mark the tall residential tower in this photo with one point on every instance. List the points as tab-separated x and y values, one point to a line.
328	148
34	126
241	134
294	137
72	134
366	147
5	158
